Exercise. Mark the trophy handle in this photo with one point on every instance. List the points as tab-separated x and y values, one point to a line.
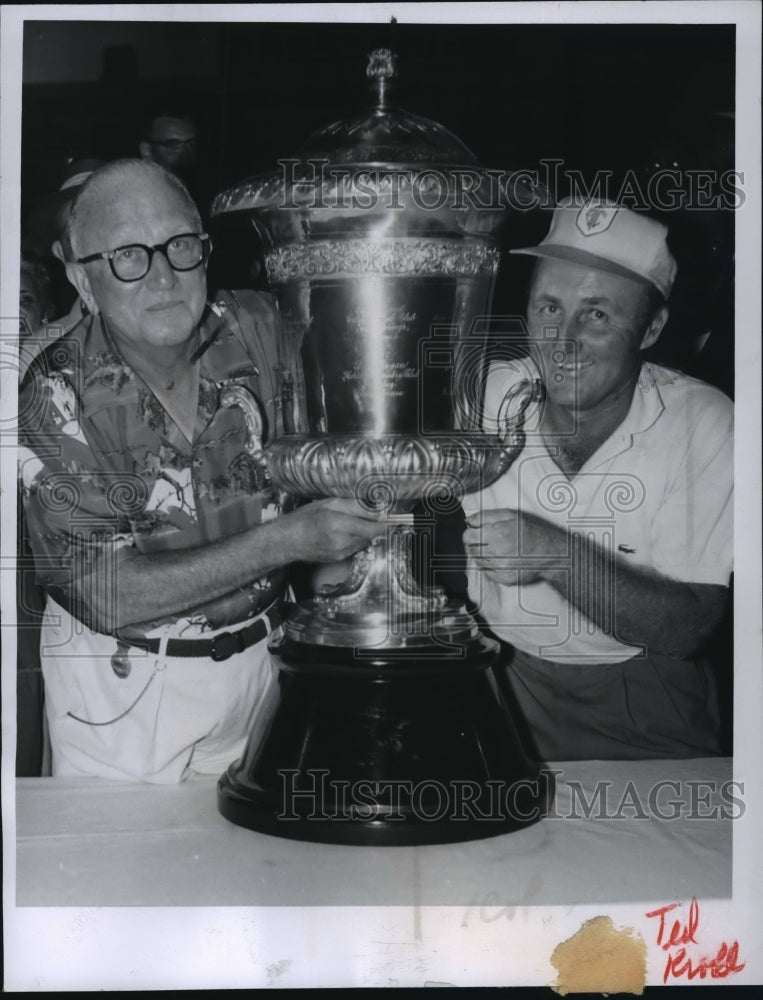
511	418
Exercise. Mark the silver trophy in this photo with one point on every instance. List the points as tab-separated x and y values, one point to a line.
380	248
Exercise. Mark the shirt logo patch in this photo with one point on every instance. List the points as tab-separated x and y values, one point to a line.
593	219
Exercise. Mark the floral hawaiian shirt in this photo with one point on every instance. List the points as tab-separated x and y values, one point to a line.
103	465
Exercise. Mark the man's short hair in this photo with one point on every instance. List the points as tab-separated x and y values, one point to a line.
71	233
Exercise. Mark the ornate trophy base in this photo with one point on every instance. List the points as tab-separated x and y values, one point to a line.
383	751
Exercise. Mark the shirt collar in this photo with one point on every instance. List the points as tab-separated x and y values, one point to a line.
108	380
647	403
646	406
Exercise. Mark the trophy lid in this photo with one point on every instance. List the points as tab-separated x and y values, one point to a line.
381	139
386	134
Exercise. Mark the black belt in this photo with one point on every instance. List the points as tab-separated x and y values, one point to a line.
221	646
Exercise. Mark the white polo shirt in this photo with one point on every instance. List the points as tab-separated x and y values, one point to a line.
657	493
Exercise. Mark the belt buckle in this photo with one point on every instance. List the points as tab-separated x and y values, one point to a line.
225	645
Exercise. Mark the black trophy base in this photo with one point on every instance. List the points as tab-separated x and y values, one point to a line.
380	750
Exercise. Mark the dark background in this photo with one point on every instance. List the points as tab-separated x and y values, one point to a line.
598	97
594	95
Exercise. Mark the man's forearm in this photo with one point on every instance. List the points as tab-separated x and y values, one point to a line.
143	587
635	604
148	586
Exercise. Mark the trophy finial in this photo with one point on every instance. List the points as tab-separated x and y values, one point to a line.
381	68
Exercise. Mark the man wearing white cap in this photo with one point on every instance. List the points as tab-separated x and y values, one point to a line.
602	558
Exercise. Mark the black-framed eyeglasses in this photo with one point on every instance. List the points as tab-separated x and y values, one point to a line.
183	252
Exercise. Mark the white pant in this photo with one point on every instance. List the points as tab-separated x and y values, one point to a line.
168	718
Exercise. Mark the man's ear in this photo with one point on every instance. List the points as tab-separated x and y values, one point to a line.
77	276
145	150
656	324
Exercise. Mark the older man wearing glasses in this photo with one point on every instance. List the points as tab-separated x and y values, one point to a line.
157	535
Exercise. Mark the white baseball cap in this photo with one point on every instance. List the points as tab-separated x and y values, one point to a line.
606	236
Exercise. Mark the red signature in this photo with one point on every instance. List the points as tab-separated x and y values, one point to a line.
722	964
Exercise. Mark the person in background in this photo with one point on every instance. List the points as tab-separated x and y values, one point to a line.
42	228
37	330
35	302
602	558
158	537
170	137
35	297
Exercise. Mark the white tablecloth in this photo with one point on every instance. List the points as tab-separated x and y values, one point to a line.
89	842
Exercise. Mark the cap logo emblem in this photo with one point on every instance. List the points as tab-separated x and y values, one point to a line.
592	219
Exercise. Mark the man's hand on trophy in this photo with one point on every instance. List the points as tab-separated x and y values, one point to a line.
327	531
505	543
